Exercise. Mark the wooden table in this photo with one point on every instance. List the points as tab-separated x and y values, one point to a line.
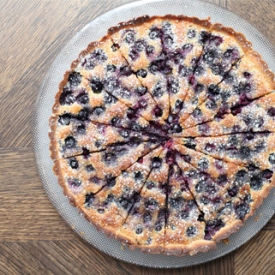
33	237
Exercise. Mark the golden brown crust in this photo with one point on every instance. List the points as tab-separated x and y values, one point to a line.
140	20
190	249
257	59
229	229
239	37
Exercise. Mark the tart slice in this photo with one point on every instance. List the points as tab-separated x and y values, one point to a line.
76	137
222	48
140	42
108	208
78	99
243	149
250	78
257	116
145	224
91	171
105	68
185	229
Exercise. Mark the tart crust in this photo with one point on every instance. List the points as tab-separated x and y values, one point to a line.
122	216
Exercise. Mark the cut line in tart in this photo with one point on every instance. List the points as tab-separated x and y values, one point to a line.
163	133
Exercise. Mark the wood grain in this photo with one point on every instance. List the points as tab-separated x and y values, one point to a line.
34	239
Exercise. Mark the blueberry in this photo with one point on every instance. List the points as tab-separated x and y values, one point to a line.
82	98
89	168
247	74
75	78
157	111
151	204
233	191
201	217
109	99
241	176
191	231
139	230
125	71
156	162
213	90
99	55
267	174
124	133
205	200
191	33
134	54
131	113
271	158
197	112
256	182
83	114
130	37
111	182
147	217
96	85
97	111
154	33
209	147
150	185
215	40
140	45
74	182
150	50
200	186
173	85
158	227
199	70
109	157
271	111
110	198
142	73
100	210
89	198
203	164
222	179
190	143
241	210
203	128
158	91
199	88
210	56
211	104
184	71
141	90
176	128
244	152
73	163
115	121
175	202
81	129
70	142
124	203
167	41
111	68
184	214
178	105
65	119
204	37
216	69
213	226
66	97
187	48
115	47
138	176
